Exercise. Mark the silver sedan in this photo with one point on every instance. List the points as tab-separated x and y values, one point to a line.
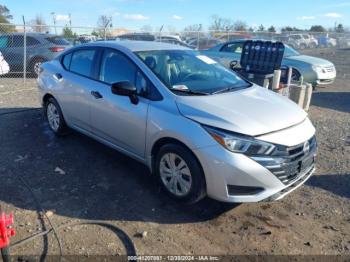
200	128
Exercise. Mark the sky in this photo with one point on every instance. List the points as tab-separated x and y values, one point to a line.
134	14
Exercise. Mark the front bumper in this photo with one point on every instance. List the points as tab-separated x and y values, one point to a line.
224	169
327	77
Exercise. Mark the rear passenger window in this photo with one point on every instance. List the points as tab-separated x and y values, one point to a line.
81	62
31	41
66	60
4	41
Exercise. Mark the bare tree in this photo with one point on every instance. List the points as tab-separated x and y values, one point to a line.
39	25
221	24
103	24
194	30
240	25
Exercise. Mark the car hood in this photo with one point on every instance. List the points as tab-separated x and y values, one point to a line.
310	60
252	111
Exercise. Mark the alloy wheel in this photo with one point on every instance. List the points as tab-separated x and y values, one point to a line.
53	116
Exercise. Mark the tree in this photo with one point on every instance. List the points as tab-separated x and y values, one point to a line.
5	16
272	29
240	26
291	29
340	28
192	31
317	28
251	29
95	33
68	33
221	24
103	23
38	25
261	28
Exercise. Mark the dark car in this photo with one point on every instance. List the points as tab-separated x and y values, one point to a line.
137	37
173	41
39	48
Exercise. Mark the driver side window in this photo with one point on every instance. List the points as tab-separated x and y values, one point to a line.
115	67
233	48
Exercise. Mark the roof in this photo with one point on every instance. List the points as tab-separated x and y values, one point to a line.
136	46
32	34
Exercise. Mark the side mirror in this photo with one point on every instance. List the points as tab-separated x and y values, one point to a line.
125	88
233	64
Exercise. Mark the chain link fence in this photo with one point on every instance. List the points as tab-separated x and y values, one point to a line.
24	47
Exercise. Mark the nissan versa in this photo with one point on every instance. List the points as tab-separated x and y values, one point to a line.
200	128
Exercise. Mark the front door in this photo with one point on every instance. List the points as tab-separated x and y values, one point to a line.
114	118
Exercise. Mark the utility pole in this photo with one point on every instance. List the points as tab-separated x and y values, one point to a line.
70	21
54	21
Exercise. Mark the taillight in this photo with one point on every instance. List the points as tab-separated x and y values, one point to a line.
56	49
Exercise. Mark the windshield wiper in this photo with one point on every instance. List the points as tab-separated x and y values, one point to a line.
190	92
228	89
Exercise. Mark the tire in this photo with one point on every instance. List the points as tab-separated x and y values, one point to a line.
35	65
313	45
188	184
54	117
296	75
302	47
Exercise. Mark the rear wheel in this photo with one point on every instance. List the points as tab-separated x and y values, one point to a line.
55	118
180	173
34	66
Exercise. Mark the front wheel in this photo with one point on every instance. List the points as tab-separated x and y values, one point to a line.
55	118
295	75
180	173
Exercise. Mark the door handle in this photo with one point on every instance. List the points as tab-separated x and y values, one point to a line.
58	76
96	94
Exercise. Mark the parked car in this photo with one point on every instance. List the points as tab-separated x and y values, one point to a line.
311	41
234	36
200	128
137	37
39	48
4	66
83	39
343	41
285	40
203	43
172	41
325	41
300	40
314	70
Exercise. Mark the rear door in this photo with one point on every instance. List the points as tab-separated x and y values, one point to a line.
75	85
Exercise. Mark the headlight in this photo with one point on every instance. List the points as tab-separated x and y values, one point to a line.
319	69
240	144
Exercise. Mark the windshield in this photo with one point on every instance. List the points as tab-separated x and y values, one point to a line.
191	72
288	51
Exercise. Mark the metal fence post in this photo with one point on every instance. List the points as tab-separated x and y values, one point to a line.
25	53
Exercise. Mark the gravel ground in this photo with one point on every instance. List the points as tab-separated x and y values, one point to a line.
95	183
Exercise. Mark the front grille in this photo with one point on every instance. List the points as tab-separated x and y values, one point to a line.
290	163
